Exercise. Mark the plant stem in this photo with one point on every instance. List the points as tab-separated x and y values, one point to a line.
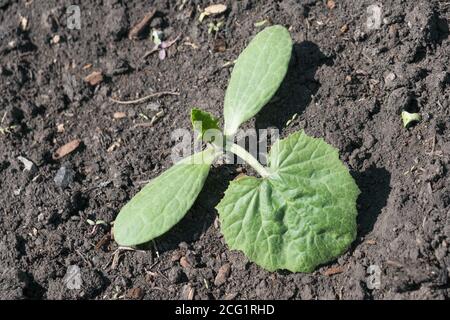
247	157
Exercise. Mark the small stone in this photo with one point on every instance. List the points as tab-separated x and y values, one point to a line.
64	177
223	274
389	78
135	293
184	263
29	165
23	23
119	115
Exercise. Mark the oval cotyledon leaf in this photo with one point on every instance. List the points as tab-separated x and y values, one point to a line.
257	75
164	201
301	216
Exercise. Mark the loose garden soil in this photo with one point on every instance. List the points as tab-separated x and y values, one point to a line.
346	83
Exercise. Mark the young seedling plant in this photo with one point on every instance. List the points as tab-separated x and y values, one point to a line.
301	211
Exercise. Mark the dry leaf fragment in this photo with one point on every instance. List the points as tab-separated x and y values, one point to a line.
222	274
119	115
56	39
66	149
344	28
215	9
333	270
94	78
24	23
135	293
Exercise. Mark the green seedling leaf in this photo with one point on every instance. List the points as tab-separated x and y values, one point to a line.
257	75
301	216
163	202
203	121
410	118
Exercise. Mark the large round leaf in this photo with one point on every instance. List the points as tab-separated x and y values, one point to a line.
302	216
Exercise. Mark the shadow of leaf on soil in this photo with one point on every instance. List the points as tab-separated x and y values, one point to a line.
202	214
297	88
374	184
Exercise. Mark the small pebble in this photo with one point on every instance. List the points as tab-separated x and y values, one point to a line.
187	292
64	177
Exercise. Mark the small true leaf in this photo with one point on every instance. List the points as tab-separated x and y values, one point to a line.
203	121
257	75
302	216
163	201
410	118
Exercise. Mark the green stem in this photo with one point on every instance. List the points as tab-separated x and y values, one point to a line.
247	157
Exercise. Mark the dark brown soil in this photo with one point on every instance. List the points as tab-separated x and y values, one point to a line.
346	83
